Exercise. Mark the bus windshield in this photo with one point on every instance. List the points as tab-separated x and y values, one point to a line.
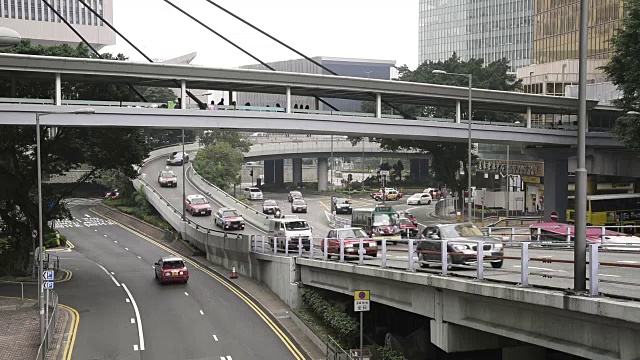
384	219
297	225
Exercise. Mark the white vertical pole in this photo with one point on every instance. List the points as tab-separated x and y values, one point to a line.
58	90
458	112
529	117
508	180
40	252
183	94
288	101
378	105
361	342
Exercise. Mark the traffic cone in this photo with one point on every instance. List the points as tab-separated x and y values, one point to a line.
234	274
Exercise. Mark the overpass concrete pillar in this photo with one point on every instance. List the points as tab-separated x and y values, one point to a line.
183	94
524	353
278	172
556	188
458	112
288	102
378	106
297	172
269	171
323	168
529	117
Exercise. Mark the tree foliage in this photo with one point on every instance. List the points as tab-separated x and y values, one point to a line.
623	69
234	138
66	148
446	156
158	94
219	163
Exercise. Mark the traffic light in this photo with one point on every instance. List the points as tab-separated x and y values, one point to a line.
251	173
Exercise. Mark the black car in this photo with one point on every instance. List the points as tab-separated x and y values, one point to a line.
461	245
341	206
178	158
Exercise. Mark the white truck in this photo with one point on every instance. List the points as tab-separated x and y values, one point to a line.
291	229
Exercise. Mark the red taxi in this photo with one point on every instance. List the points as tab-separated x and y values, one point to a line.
351	237
171	269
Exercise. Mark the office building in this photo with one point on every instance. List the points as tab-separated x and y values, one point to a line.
33	20
363	68
480	29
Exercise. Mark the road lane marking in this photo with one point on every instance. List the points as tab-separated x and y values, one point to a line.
111	276
628	262
87	215
186	293
115	241
135	309
139	257
73	331
96	230
609	275
291	346
135	347
112	273
540	268
201	312
215	338
133	321
105	235
127	300
126	249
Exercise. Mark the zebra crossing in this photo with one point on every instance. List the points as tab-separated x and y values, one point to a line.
73	202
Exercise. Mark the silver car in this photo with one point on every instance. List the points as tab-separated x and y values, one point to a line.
299	205
178	158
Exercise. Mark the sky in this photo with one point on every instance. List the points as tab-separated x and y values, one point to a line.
368	29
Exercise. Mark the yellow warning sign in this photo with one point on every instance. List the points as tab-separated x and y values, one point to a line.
361	295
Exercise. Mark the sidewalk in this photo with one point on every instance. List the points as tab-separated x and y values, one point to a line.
273	304
20	330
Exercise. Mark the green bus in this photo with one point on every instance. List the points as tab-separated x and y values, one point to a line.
380	222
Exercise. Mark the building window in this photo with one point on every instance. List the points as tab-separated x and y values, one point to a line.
59	10
64	9
19	9
13	9
46	12
95	16
101	13
77	12
89	22
70	18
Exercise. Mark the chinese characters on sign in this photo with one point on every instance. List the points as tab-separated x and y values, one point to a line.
528	168
361	300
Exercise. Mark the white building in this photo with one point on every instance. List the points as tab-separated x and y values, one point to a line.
33	20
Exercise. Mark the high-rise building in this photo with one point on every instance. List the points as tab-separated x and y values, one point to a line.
481	29
557	23
33	20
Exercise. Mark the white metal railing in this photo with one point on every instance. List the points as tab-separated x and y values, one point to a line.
50	327
457	257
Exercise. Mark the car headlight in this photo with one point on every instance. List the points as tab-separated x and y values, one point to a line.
167	274
497	246
181	273
460	247
348	245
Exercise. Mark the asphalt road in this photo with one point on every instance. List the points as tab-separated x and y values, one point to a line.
619	271
113	269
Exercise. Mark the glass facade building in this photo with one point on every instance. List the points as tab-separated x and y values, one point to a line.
481	29
557	23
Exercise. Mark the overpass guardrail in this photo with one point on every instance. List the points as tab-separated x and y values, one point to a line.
540	261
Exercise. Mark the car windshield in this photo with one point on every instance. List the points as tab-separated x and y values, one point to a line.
167	174
462	230
404	221
254	190
297	225
299	202
383	219
342	201
351	233
296	193
177	155
229	213
270	203
173	264
198	200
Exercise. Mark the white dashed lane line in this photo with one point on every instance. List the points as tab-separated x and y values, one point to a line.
215	337
111	276
201	312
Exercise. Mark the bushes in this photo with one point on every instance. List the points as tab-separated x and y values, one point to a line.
50	240
343	326
139	207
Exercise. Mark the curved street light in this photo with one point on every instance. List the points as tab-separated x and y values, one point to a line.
9	37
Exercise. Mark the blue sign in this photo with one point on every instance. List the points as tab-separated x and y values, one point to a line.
52	204
48	275
47	285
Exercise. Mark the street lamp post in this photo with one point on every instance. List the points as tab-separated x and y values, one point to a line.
184	179
40	226
580	246
470	77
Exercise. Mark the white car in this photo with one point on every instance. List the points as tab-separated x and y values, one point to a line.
419	199
253	193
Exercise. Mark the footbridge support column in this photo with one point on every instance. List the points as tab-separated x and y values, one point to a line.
556	179
297	172
323	169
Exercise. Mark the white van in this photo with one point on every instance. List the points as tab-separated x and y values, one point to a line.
292	229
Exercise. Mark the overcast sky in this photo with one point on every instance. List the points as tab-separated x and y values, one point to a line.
370	29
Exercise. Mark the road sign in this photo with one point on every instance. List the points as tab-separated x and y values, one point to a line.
384	172
47	285
554	216
361	300
34	233
52	204
48	275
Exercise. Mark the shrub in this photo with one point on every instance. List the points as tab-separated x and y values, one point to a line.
344	327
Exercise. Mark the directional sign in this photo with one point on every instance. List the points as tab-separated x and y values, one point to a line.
34	233
47	285
361	300
384	172
554	216
48	275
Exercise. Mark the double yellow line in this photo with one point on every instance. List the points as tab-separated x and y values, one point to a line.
73	331
275	328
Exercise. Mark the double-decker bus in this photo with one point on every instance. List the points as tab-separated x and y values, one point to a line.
380	222
610	209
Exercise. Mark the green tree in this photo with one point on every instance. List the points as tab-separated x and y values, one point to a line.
446	156
234	138
66	148
623	69
219	163
398	168
158	95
